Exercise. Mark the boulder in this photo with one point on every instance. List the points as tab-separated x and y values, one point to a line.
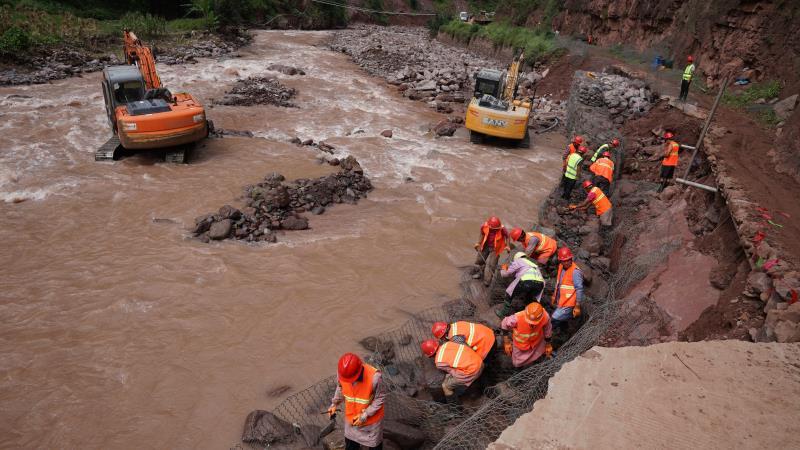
427	85
220	230
294	223
406	437
445	128
266	429
784	108
203	223
334	440
386	133
229	212
592	243
786	331
757	282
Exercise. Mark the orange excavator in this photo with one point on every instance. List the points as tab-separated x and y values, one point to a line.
145	115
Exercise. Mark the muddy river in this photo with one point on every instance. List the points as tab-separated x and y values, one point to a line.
120	331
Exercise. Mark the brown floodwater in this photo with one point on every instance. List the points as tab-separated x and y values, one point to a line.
121	331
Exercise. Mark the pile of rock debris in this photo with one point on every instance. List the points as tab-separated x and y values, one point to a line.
260	90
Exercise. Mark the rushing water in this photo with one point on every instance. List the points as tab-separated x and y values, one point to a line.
119	331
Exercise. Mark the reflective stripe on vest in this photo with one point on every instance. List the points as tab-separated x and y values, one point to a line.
688	71
533	273
359	395
671	159
604	167
470	336
600	202
459	357
479	337
527	336
456	359
543	241
564	288
573	162
599	151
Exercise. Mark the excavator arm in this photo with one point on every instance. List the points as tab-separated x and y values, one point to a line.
140	55
512	78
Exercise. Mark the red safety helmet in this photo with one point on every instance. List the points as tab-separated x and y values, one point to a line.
582	149
429	347
668	135
439	329
615	143
494	222
350	367
564	254
587	184
606	154
516	233
690	58
534	313
577	140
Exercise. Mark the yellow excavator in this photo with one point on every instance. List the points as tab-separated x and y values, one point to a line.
494	109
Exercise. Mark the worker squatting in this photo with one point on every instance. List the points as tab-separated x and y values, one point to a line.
462	349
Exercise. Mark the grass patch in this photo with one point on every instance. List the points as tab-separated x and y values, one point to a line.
535	43
755	91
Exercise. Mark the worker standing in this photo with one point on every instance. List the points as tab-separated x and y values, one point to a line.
527	285
572	167
688	73
669	161
568	293
602	205
479	338
604	148
531	331
538	246
603	170
462	365
493	242
573	146
361	389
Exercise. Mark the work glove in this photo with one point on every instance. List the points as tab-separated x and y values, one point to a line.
576	311
359	420
504	266
507	345
477	246
332	411
548	350
572	206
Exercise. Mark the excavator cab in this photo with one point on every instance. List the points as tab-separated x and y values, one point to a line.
122	85
489	86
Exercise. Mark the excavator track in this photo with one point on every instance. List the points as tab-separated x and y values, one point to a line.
175	156
106	151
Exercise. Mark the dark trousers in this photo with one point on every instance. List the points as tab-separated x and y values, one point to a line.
524	294
567	185
603	184
353	445
684	90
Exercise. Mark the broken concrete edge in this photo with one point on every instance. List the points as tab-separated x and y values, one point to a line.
779	289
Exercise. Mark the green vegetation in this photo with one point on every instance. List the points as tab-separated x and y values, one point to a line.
14	40
535	44
753	92
377	5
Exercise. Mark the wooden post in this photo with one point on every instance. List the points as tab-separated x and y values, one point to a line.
711	113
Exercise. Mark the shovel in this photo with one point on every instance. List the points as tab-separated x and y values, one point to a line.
328	428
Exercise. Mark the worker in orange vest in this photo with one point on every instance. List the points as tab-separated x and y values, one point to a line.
493	242
361	389
603	170
669	161
462	365
568	292
595	197
573	146
479	337
538	246
531	331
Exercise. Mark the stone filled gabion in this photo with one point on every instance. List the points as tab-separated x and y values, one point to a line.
275	205
624	97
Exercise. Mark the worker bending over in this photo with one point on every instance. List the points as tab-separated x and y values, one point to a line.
568	293
527	285
603	170
361	389
688	73
604	148
573	146
669	160
595	197
493	241
479	338
462	365
538	246
572	167
531	331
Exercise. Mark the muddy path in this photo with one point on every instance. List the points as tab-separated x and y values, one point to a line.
119	331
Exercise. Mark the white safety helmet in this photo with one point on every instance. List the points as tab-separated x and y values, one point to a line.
519	255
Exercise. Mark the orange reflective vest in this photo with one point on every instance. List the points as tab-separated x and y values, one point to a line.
601	202
671	154
564	295
479	337
499	239
358	396
546	243
603	167
527	336
571	149
460	357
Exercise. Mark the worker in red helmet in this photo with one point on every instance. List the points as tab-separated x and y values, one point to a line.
686	80
493	241
361	389
480	338
604	148
527	286
572	168
462	365
669	161
573	146
568	290
597	198
531	331
538	246
603	171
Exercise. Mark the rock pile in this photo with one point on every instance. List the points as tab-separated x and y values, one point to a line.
274	205
54	65
259	91
623	97
204	45
286	70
